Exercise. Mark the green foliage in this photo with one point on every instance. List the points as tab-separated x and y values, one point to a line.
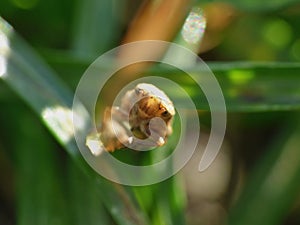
54	185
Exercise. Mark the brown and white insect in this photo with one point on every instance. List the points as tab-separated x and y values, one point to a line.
144	118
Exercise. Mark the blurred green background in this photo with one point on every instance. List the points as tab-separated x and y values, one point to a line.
253	47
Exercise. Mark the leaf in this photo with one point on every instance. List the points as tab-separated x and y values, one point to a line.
39	86
274	183
246	86
259	6
83	191
97	26
39	186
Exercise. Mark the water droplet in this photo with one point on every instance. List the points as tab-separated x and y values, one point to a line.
194	27
4	52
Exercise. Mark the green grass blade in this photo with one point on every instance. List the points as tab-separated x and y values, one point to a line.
247	86
170	199
261	87
96	26
273	186
250	87
260	6
38	85
41	199
87	207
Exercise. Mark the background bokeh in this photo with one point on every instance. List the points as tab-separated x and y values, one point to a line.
253	48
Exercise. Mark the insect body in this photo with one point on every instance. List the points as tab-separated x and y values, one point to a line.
145	112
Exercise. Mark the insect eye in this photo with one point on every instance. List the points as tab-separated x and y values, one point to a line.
165	113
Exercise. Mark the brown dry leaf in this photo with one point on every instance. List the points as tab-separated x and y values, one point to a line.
155	20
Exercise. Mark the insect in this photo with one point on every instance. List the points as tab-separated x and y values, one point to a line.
145	113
